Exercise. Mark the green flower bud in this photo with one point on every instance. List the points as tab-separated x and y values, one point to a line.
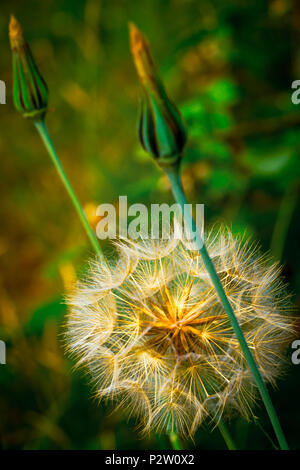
30	92
161	129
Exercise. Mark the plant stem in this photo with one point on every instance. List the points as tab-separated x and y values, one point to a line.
43	131
175	181
176	444
226	435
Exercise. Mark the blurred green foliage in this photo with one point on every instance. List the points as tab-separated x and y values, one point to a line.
229	66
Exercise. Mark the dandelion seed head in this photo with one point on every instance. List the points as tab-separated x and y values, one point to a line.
155	339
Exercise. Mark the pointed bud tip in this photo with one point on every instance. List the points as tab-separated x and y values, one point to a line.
16	35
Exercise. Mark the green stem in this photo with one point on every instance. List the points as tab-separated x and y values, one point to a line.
226	435
176	444
43	131
175	181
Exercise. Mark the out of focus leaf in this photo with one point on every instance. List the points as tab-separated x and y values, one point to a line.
270	164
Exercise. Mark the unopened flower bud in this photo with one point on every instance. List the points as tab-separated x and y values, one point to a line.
30	92
161	129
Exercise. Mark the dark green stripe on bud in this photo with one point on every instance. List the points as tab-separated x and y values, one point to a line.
30	92
161	129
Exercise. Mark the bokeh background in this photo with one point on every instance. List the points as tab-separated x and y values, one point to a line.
229	66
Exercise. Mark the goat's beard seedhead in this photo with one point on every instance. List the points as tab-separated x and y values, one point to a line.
151	331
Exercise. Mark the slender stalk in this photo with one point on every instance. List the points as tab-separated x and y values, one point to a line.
43	131
175	181
176	444
226	435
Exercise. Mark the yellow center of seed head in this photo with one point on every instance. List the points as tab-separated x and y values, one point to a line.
181	326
